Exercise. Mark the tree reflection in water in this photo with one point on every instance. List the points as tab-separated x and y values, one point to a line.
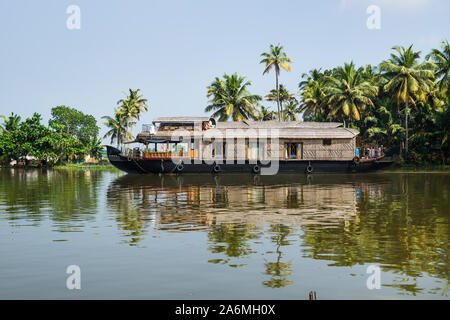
399	221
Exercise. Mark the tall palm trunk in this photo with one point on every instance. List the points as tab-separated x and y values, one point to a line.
278	97
406	128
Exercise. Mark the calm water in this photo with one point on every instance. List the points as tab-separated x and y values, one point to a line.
239	237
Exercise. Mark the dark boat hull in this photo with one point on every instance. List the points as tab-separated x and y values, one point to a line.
167	166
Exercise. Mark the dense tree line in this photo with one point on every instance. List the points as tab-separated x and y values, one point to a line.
69	135
402	102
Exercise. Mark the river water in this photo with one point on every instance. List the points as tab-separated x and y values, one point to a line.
224	237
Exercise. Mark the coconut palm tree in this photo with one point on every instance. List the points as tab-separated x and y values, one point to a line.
348	94
291	110
408	80
131	107
312	102
229	97
117	126
276	58
265	114
2	128
12	122
283	94
442	61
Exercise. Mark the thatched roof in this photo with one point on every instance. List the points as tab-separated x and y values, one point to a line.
287	133
238	129
182	119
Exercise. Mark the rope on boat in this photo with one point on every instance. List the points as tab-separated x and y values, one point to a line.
145	171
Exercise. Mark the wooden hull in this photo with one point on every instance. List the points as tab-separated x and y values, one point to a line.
167	166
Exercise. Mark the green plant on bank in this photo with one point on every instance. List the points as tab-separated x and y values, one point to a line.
229	97
276	59
68	136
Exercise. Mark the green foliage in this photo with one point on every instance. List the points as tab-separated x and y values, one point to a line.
128	110
74	122
65	138
229	97
403	102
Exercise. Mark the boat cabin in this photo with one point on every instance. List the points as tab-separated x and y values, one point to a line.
204	138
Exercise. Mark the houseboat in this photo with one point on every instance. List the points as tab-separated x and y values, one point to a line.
182	145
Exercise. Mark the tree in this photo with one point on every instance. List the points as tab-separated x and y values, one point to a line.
229	97
442	60
2	128
131	108
265	114
408	80
276	58
312	92
12	122
348	94
75	123
284	96
291	110
117	126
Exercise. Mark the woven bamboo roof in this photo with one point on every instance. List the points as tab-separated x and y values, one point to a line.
181	119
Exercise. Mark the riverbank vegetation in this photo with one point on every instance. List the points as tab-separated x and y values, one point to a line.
69	135
401	102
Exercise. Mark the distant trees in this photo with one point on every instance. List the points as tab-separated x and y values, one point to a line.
70	135
402	101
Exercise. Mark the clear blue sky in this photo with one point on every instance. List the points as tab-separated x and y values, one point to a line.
172	50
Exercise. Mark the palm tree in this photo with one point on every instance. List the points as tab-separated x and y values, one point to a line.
442	60
12	122
313	103
2	128
131	107
348	94
229	97
265	114
276	58
291	110
408	80
117	126
283	95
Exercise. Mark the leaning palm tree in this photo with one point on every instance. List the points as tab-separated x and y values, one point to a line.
348	94
117	128
442	61
276	58
229	97
408	80
283	95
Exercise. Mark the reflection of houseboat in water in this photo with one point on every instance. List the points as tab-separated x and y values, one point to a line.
200	145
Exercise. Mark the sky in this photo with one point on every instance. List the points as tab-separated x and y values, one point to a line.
172	50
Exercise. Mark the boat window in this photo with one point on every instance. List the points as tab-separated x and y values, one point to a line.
219	150
291	150
326	142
